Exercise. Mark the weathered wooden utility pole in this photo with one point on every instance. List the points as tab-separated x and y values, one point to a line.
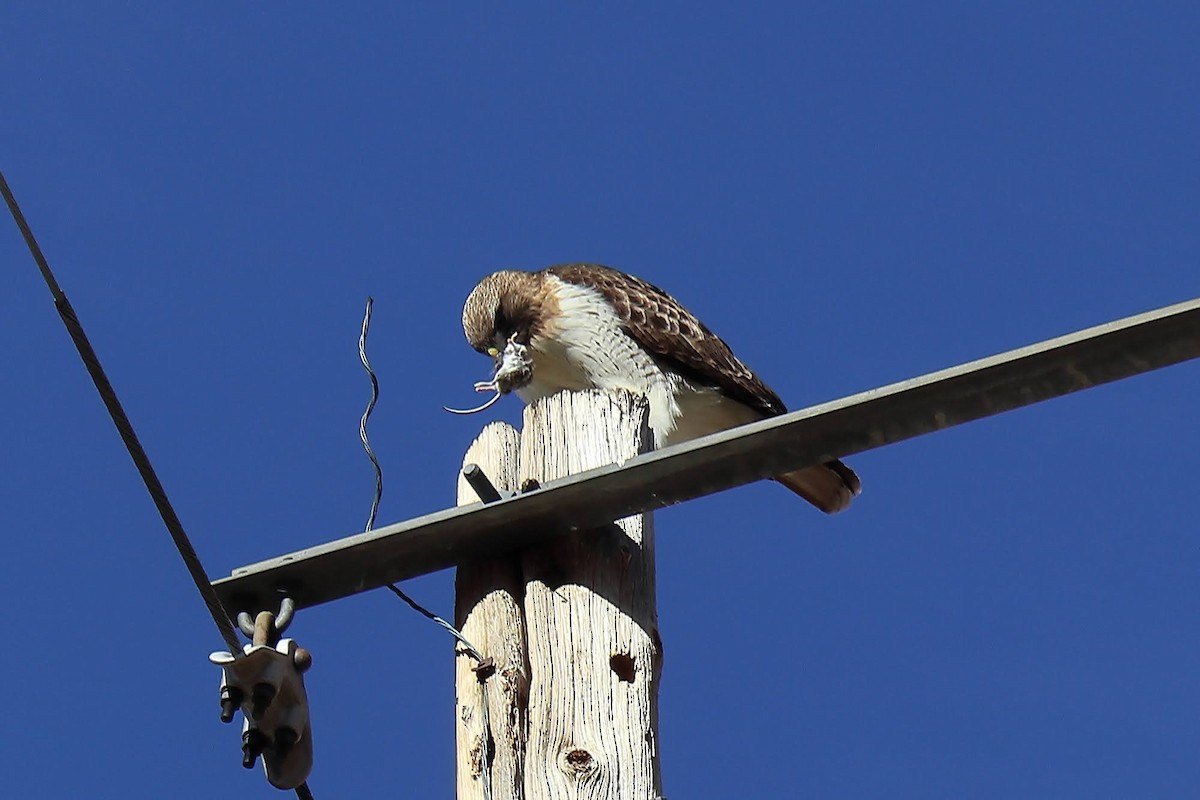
487	610
570	624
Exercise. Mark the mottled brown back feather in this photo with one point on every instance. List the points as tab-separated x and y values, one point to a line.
674	335
685	344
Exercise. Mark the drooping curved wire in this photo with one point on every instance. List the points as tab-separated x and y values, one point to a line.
362	422
486	754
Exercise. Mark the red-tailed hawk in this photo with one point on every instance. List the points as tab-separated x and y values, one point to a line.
585	326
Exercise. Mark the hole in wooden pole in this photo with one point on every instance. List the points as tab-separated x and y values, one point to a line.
579	760
622	664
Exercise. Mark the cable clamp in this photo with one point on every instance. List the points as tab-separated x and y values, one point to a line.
266	682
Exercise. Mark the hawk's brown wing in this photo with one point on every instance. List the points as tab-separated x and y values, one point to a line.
673	334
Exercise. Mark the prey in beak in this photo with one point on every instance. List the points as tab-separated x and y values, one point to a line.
513	370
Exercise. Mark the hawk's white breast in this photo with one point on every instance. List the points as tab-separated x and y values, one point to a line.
586	346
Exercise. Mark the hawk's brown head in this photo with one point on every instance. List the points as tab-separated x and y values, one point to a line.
505	306
501	316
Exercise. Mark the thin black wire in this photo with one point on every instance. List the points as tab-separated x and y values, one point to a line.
125	428
485	771
470	648
362	422
486	756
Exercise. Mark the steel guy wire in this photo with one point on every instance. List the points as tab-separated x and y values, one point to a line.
125	428
140	459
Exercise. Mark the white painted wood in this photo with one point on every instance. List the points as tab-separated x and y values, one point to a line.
594	652
488	612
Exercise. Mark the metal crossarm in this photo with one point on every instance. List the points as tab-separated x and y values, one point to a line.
714	463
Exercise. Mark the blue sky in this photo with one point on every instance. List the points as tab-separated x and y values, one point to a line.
849	195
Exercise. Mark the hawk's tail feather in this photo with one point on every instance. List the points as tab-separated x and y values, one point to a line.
830	486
